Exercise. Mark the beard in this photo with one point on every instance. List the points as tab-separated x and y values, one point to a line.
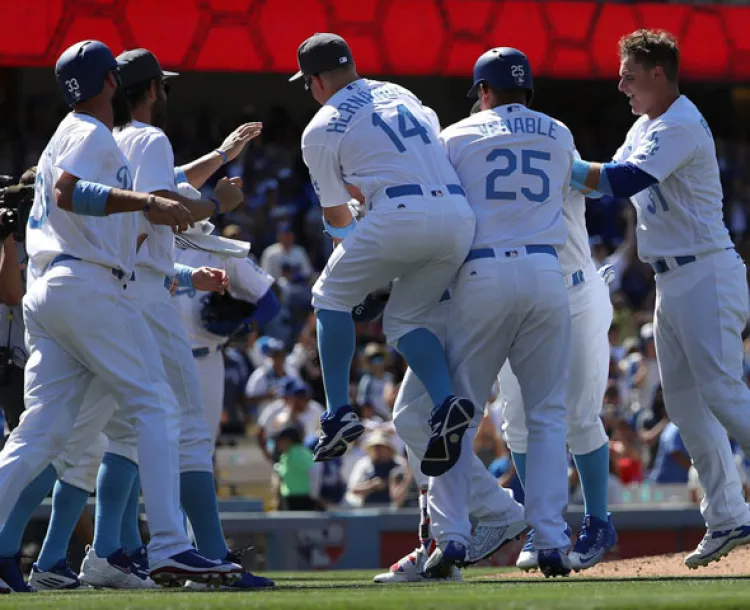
120	108
159	112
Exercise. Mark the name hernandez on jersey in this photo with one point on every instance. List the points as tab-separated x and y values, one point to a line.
514	164
372	135
682	214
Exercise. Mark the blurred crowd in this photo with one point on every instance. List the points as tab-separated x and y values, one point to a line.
273	386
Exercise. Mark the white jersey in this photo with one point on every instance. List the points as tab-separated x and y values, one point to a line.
152	159
247	282
84	147
373	135
682	214
514	164
576	253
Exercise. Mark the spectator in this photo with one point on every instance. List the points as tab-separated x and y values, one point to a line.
327	481
286	251
487	443
293	469
267	381
650	425
381	478
646	378
372	385
294	407
672	460
625	453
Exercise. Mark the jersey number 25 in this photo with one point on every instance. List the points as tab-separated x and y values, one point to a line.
530	161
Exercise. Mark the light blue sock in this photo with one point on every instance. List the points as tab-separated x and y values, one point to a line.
336	344
198	499
130	536
593	470
113	485
426	357
11	534
68	503
519	459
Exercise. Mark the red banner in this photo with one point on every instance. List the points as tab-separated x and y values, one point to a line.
418	37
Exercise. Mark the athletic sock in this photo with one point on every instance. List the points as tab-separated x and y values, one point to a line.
130	534
113	486
68	503
336	344
425	356
198	499
593	470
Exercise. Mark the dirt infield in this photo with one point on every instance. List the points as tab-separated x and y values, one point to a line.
737	563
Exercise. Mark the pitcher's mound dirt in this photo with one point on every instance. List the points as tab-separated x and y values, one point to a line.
737	563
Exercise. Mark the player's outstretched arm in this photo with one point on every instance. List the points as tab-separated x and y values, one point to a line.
227	196
198	171
93	199
617	179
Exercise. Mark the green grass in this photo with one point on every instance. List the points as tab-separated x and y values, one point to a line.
354	591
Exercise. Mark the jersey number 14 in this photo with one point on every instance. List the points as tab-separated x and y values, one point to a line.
408	127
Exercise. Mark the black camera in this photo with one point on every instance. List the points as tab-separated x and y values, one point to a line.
16	201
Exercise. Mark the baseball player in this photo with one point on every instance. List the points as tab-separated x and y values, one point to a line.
591	316
509	302
150	154
376	141
251	300
82	243
668	167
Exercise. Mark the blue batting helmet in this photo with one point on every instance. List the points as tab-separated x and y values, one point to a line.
81	70
503	68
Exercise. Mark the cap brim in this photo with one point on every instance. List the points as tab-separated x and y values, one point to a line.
168	74
296	76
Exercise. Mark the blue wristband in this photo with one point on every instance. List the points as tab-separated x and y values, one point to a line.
224	157
90	198
183	275
579	172
217	205
339	232
179	176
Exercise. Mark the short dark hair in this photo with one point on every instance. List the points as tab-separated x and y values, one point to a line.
653	48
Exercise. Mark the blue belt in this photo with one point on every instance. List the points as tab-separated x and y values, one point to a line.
202	352
660	265
118	273
405	190
577	278
510	252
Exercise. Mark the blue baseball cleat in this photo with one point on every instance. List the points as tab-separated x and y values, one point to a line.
448	422
336	431
554	562
443	559
10	574
248	581
596	538
175	570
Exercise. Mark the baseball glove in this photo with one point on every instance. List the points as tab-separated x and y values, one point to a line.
223	315
371	309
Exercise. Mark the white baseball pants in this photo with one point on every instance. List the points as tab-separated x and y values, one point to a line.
701	311
422	240
79	327
591	317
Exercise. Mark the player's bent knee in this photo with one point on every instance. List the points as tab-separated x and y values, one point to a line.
585	437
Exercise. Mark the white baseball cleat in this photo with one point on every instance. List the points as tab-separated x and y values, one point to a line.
411	569
114	572
717	544
486	540
58	577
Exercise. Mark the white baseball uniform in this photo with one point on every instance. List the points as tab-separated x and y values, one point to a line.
509	302
591	317
379	137
80	329
247	282
150	154
701	298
